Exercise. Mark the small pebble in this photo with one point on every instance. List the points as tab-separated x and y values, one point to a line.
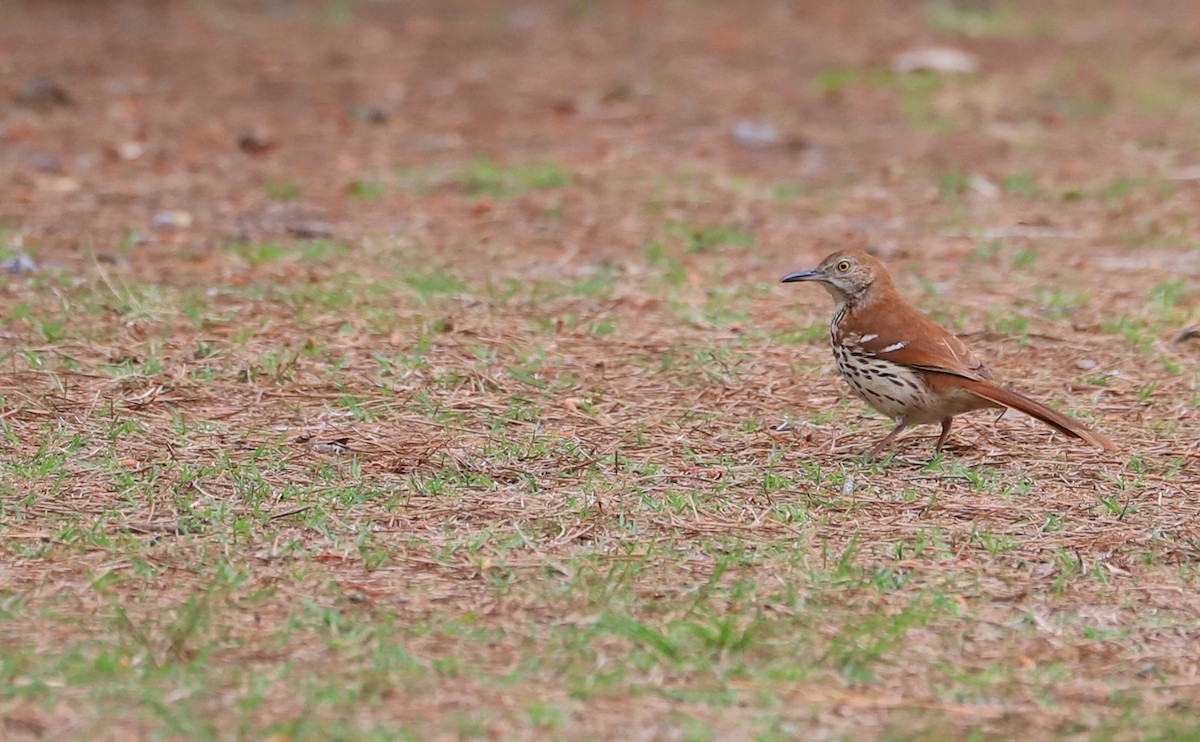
171	220
59	184
310	229
935	59
130	150
19	264
755	136
42	95
983	186
255	140
43	162
333	448
1086	364
369	114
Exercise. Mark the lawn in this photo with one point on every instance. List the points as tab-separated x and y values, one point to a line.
420	370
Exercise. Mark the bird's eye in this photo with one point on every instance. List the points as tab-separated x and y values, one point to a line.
843	266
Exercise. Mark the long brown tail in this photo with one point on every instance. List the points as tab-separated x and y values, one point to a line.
1053	418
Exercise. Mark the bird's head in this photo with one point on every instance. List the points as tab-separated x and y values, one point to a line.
846	274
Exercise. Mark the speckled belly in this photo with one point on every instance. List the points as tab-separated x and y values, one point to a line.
899	391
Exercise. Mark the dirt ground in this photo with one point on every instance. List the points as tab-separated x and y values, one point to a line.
419	369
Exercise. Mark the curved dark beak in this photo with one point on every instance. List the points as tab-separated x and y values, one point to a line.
802	276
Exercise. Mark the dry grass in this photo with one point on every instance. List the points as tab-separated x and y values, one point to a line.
534	446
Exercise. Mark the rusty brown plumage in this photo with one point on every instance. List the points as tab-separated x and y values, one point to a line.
905	365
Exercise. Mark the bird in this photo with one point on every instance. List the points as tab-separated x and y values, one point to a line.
906	366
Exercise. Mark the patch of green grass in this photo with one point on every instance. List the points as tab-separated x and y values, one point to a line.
862	644
486	178
707	238
670	267
964	18
916	91
258	253
282	190
1115	195
1136	333
1010	324
1159	93
835	80
366	190
10	247
953	185
581	9
312	251
815	332
1060	301
337	13
1120	188
1021	184
594	284
434	283
1167	295
597	283
1025	259
986	251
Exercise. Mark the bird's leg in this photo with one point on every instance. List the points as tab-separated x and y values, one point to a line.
946	421
874	452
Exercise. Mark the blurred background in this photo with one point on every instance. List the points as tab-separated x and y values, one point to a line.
577	127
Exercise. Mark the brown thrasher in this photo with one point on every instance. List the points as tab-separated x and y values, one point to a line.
899	361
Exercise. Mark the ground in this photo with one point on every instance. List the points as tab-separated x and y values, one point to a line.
376	370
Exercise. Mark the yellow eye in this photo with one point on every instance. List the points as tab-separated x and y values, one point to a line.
843	266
